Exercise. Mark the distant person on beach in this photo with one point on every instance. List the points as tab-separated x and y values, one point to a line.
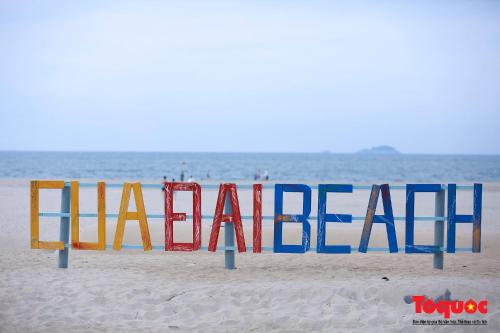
265	175
191	179
208	174
164	180
257	175
183	168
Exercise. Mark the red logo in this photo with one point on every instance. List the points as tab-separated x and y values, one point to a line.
446	307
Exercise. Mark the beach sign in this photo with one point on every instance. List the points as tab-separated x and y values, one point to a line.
227	214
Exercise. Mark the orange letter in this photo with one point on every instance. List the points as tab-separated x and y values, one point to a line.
125	215
257	218
35	209
101	219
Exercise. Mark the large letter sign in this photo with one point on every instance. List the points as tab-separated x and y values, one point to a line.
387	219
257	218
101	218
323	217
475	218
234	217
280	218
35	220
170	216
411	189
227	210
125	215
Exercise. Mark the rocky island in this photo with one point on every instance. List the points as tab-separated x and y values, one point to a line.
380	150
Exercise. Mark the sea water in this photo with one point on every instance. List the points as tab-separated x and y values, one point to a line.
355	168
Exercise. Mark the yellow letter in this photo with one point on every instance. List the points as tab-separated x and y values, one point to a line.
125	215
101	218
35	220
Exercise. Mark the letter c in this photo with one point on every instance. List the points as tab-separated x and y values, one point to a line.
482	306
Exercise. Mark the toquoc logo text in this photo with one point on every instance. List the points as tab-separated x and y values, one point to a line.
446	307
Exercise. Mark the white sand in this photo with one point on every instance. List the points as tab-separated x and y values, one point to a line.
162	292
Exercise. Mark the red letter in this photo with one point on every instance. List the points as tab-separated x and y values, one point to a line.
170	216
257	218
444	308
482	306
457	306
418	303
234	217
429	306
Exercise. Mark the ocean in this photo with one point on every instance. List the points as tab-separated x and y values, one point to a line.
356	168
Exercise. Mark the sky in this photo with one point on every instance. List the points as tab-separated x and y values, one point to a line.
250	76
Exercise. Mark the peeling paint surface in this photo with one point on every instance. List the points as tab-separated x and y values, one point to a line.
170	216
234	217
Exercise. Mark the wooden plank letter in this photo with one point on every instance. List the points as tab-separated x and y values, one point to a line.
387	218
475	218
125	215
36	185
170	216
280	218
101	219
235	217
411	189
324	217
257	218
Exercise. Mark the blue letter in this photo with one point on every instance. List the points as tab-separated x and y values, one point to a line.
475	219
410	217
279	218
387	218
323	217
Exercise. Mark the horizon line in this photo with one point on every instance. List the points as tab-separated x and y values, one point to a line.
325	152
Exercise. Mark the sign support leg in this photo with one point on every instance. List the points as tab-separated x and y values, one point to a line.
438	260
228	238
64	227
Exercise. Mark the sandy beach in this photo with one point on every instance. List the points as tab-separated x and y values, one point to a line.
278	92
178	292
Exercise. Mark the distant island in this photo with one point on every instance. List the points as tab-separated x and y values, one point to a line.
380	150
